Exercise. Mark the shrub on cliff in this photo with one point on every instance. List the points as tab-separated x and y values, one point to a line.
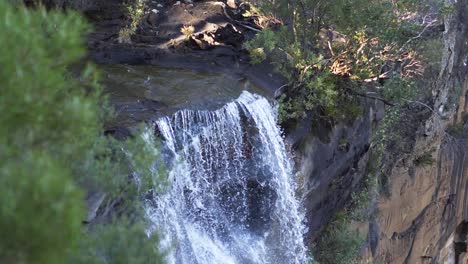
52	143
338	243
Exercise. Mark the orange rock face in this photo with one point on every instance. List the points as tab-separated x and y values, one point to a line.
425	219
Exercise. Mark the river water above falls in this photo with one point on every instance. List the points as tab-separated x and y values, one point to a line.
231	185
141	92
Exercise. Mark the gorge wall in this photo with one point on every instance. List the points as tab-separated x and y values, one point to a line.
424	217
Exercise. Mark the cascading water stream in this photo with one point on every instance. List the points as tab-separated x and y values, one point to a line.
231	194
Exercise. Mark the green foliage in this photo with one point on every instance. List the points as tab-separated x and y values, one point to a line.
257	55
41	211
187	31
397	88
312	84
145	161
376	32
455	130
361	208
52	143
319	90
338	243
307	18
382	139
430	50
59	4
135	13
42	113
267	40
454	96
120	242
425	159
447	8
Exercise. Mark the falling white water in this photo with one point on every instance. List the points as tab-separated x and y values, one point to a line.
231	193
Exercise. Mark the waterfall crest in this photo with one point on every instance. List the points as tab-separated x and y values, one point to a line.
231	195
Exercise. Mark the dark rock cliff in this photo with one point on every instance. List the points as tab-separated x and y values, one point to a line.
331	161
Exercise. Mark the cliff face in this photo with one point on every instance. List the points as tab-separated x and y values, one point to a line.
418	223
424	218
331	161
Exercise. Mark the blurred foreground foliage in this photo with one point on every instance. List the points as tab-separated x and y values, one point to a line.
53	150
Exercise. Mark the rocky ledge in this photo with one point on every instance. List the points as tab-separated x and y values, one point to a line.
214	45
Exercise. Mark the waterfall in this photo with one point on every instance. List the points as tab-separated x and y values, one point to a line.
231	187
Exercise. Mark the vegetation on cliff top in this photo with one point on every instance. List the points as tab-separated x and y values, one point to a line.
365	43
